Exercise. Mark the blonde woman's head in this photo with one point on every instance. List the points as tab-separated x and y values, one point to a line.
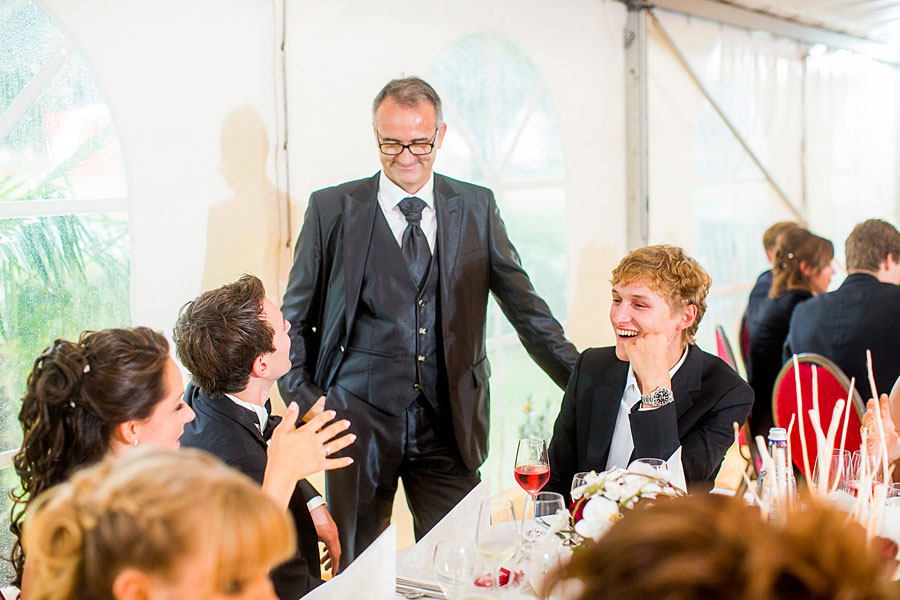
156	524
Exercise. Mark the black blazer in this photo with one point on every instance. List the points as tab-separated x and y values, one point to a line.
863	313
230	433
476	257
767	335
709	397
758	295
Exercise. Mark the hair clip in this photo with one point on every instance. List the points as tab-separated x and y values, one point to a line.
790	255
86	369
71	404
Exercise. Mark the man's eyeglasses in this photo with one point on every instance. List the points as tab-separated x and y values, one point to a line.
417	148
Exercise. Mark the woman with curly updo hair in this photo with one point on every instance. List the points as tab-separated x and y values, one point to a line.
155	525
110	391
802	269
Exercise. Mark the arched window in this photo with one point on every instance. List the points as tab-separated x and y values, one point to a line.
64	237
503	133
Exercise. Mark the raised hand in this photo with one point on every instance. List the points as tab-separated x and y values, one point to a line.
649	358
295	453
873	439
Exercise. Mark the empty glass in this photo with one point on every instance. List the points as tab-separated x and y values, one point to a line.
838	468
538	517
657	464
457	566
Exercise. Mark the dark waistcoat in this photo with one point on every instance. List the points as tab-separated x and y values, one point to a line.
394	351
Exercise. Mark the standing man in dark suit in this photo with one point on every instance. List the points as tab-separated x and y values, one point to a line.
655	394
235	343
861	314
388	294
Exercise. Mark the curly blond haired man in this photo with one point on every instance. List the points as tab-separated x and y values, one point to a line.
654	394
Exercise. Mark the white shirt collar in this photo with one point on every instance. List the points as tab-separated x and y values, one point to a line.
390	194
261	412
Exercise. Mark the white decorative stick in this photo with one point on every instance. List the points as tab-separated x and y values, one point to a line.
789	432
806	471
815	388
832	433
882	444
737	442
847	413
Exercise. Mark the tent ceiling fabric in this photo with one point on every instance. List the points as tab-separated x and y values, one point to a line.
876	20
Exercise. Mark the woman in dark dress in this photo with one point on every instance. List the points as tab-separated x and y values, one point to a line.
802	269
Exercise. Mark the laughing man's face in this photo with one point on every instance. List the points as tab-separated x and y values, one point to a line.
637	310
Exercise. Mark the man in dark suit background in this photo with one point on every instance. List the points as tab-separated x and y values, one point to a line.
388	295
861	314
655	394
235	343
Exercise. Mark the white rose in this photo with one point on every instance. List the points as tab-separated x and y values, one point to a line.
559	521
598	516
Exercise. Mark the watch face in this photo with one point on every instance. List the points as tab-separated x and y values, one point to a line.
658	397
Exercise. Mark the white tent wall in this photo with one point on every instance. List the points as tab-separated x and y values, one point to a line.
852	143
172	72
707	195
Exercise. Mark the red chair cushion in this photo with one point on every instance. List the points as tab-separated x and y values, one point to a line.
830	390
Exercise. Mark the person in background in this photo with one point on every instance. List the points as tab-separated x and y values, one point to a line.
714	547
388	296
234	341
156	525
107	393
861	314
801	270
655	394
760	290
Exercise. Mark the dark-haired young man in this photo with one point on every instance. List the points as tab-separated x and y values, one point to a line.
235	343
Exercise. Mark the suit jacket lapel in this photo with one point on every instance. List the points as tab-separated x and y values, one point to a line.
605	408
447	208
687	381
231	411
359	220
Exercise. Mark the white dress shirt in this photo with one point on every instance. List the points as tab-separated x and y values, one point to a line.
389	196
262	416
623	444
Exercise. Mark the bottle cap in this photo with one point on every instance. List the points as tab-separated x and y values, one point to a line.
777	434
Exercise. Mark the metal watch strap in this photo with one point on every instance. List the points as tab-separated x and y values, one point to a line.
658	397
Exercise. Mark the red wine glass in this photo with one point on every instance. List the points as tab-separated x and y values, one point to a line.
532	465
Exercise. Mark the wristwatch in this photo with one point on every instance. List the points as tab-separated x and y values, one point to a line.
658	397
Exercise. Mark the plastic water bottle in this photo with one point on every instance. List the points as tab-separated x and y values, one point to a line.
778	488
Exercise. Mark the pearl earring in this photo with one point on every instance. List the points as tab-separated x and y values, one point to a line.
134	443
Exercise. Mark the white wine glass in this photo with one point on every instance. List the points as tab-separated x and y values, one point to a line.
497	534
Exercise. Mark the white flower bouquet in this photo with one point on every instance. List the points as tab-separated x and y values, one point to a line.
604	497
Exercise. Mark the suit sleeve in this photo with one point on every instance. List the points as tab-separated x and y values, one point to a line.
704	446
302	308
563	452
787	351
537	328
